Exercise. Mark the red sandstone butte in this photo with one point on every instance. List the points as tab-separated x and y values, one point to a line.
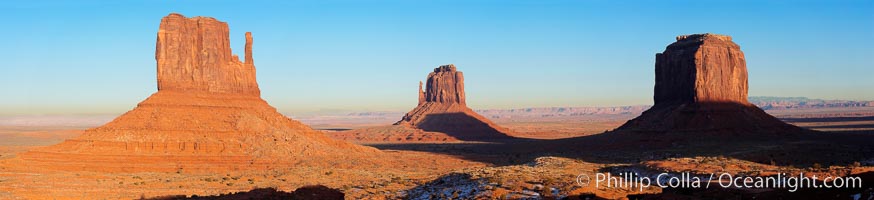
442	108
194	54
701	85
207	115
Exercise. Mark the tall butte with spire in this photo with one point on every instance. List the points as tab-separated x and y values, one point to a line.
701	86
442	108
207	115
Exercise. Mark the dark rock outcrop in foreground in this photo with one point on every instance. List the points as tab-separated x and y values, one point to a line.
311	192
207	115
701	85
442	108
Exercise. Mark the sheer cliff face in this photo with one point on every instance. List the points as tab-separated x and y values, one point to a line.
701	68
194	55
701	86
207	115
445	85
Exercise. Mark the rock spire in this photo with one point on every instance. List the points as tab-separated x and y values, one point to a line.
206	116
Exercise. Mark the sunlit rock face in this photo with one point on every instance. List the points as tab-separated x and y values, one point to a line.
701	68
701	85
207	115
194	54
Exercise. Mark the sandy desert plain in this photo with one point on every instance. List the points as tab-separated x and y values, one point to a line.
209	135
510	172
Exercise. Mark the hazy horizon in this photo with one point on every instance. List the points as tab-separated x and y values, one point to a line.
327	56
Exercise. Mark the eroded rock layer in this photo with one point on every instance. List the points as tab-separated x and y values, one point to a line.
701	68
194	54
442	108
701	85
445	85
206	115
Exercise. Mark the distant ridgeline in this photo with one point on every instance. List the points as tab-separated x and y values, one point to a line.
778	103
763	102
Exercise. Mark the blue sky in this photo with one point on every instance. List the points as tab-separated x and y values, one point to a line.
93	57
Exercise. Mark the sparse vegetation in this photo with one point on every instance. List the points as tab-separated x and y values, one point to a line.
503	181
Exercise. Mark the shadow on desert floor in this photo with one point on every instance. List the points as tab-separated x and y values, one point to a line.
463	127
802	149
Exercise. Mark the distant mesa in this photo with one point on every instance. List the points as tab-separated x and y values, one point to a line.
441	115
442	108
783	103
701	85
207	115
